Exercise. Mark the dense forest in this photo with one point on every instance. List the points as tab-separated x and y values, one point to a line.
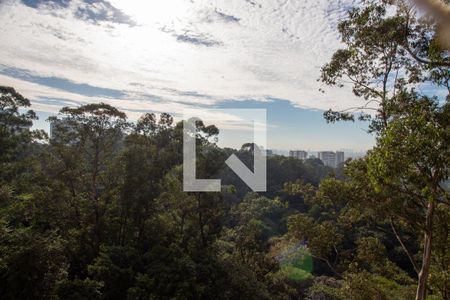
98	211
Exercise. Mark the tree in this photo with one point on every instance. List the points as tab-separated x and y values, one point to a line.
411	161
390	48
385	55
15	133
81	155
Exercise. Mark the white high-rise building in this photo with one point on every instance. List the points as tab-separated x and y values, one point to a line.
298	154
332	159
340	158
328	158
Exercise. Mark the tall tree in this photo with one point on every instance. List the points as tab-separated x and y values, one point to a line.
390	49
85	143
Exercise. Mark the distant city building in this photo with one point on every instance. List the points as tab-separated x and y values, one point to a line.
331	159
53	125
269	152
328	158
298	154
340	158
350	153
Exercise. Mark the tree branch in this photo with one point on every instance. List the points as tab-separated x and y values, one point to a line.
415	265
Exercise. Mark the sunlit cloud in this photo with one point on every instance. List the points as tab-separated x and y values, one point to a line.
161	54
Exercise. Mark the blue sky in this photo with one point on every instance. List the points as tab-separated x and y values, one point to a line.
291	128
170	56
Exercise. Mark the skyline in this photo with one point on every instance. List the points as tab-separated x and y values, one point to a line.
315	136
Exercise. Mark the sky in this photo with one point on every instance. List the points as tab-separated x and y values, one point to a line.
184	55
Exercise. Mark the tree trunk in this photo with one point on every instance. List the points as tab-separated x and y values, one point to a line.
426	258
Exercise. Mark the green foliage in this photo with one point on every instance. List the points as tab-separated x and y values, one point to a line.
367	286
78	289
109	193
30	263
389	48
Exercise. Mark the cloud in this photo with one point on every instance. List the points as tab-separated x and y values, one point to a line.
191	37
197	39
211	16
61	83
49	99
253	3
89	10
226	18
53	3
176	54
97	11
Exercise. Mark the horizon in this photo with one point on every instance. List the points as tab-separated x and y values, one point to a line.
235	138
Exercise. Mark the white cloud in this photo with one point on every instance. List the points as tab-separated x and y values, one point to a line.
268	48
